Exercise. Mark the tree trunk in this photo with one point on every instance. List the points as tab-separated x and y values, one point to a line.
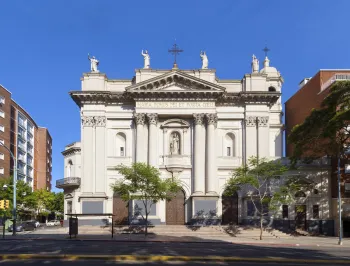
146	227
261	226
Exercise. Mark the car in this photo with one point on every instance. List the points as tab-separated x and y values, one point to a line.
53	223
36	223
24	226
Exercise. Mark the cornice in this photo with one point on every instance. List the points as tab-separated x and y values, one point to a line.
221	98
70	151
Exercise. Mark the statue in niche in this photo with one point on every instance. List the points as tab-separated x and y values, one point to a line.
175	144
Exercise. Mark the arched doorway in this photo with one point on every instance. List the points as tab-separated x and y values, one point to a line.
230	209
175	209
120	210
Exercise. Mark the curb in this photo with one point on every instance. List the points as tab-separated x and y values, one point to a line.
164	258
169	241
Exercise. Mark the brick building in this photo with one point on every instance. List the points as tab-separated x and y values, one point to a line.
32	145
310	95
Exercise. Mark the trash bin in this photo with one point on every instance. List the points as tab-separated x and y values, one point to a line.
73	226
61	222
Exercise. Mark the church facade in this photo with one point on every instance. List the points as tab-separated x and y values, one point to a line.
188	123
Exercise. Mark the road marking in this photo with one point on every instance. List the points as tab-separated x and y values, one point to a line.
148	258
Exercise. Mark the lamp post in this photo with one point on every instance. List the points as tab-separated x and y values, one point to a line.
14	211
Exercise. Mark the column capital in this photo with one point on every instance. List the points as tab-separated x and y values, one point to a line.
198	119
100	121
212	119
87	121
152	118
263	121
250	121
140	118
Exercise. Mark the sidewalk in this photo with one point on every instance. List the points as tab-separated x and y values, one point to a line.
100	234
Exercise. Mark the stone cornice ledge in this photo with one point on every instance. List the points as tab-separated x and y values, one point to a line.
222	98
71	150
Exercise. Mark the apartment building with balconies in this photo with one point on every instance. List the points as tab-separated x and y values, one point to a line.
310	95
20	133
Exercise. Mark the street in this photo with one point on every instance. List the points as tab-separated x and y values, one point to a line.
97	263
144	251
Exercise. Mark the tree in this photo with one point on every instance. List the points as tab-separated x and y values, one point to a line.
42	201
325	132
143	182
58	202
23	191
262	181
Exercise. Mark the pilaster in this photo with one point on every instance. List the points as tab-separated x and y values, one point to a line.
87	153
199	154
211	168
152	139
140	120
264	137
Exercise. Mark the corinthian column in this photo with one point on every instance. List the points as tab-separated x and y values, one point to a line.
199	154
152	139
211	155
140	121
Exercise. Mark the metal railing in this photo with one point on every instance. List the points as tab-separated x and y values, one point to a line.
69	181
334	78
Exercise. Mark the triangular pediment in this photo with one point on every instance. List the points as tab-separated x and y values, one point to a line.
175	81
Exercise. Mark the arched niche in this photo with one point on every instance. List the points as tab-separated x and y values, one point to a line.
272	89
229	145
120	144
69	168
172	127
175	142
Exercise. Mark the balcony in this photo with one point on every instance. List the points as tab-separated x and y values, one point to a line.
22	136
68	182
176	163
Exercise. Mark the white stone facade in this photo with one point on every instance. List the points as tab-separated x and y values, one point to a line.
188	123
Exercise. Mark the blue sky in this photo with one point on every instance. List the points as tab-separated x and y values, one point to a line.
44	46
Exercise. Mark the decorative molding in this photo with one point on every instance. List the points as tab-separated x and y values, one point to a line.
87	121
263	121
140	118
91	121
152	118
212	119
100	121
221	98
250	121
198	119
71	150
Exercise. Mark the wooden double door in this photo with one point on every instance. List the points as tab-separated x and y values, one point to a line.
120	211
230	209
175	209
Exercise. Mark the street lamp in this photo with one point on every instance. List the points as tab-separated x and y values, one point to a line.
14	211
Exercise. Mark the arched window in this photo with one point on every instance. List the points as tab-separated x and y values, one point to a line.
69	168
121	144
229	145
271	88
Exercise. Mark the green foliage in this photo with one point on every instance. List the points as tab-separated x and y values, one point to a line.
23	190
58	202
261	179
41	201
325	131
143	182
